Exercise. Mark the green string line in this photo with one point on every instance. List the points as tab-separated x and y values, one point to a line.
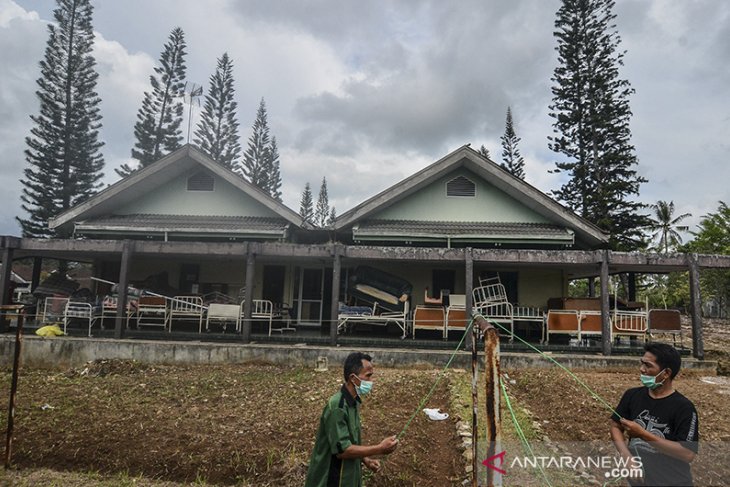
438	379
585	386
520	432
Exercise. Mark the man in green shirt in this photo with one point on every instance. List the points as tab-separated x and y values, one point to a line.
337	454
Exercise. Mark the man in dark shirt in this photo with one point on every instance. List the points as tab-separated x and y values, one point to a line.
661	423
337	453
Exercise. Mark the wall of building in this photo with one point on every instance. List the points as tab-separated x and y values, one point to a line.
173	198
489	205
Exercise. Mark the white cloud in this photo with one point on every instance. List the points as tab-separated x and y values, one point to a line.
366	94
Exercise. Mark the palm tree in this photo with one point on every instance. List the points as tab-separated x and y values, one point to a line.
666	226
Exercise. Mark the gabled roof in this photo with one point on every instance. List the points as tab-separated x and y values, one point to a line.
470	159
148	178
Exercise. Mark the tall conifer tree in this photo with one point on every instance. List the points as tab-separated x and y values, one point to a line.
591	111
273	165
306	205
513	160
159	118
256	160
63	147
485	152
332	217
322	211
217	132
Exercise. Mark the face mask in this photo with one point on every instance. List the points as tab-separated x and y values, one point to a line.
364	388
650	382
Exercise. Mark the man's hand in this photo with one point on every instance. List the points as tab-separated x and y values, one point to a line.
372	464
388	445
633	428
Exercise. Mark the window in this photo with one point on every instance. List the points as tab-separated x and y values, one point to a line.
461	187
201	181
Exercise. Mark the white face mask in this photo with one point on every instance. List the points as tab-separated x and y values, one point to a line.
364	388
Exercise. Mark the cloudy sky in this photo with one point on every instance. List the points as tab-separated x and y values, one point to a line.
366	93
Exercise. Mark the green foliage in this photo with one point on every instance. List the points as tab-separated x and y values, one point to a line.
217	132
306	206
322	210
485	152
159	118
63	147
666	226
591	111
514	163
255	160
273	165
713	237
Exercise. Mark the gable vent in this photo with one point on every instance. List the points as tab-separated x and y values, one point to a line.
461	187
201	181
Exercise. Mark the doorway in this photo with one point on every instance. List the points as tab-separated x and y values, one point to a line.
308	295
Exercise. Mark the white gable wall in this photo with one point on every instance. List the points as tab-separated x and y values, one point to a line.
489	205
173	198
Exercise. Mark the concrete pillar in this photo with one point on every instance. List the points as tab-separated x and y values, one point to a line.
121	318
248	303
468	288
35	279
632	286
605	307
336	268
698	347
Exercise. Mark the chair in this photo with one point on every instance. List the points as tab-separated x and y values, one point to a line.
223	313
562	321
456	313
427	317
186	307
665	321
154	307
78	310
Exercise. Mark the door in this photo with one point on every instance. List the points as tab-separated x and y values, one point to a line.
308	293
273	286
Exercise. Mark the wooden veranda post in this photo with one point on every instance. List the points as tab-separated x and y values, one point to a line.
335	305
20	313
698	349
122	289
469	280
605	307
493	418
7	244
248	300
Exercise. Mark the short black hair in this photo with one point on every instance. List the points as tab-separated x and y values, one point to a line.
666	356
353	363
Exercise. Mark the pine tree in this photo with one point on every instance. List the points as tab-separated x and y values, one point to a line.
513	160
63	147
306	206
159	118
256	160
485	152
332	217
322	210
217	132
591	111
274	170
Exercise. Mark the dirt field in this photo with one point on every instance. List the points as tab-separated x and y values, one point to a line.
125	424
242	425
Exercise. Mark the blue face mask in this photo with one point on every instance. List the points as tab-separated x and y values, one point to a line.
650	382
364	388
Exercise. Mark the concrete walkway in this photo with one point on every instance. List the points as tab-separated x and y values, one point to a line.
67	352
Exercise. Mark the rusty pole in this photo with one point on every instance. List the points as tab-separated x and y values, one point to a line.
494	430
14	383
474	406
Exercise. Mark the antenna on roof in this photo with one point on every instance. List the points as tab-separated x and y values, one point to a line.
192	96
